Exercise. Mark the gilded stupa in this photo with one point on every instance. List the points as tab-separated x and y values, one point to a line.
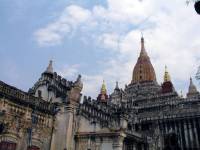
103	97
167	86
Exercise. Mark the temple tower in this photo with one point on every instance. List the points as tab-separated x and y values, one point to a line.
192	90
167	86
66	96
65	121
117	95
143	83
103	97
143	70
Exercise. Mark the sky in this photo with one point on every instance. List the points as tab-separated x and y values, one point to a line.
99	39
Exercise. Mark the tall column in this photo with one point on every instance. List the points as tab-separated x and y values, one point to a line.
70	128
179	134
166	128
118	142
134	146
195	133
174	127
164	133
64	129
193	142
182	134
59	131
186	134
161	128
198	130
189	135
142	147
64	135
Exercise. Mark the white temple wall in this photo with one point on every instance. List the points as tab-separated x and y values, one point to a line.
86	126
44	94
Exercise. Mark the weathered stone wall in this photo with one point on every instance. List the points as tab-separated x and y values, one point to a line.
17	119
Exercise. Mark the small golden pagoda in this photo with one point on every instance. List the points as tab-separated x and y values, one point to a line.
103	97
167	85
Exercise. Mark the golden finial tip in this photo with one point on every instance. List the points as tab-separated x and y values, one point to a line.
166	75
103	88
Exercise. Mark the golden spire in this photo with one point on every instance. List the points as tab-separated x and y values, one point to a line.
166	75
143	70
143	51
103	88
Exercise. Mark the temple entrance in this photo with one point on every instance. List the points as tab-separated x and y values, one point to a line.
2	127
7	145
133	144
171	142
33	148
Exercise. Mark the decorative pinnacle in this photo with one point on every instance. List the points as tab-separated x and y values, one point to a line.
103	88
192	87
191	82
143	51
117	85
181	95
142	43
50	67
78	82
166	75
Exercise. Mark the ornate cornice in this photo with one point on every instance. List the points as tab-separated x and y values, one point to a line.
25	99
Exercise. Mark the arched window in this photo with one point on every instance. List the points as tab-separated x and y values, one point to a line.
2	126
4	145
39	93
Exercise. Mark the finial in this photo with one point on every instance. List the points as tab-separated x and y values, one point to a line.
142	41
192	88
142	52
191	81
50	67
78	82
117	85
102	97
181	94
191	84
103	88
166	75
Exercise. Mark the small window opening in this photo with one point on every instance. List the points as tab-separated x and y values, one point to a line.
39	93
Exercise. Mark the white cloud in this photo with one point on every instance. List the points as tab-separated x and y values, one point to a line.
109	41
92	85
69	71
69	20
171	31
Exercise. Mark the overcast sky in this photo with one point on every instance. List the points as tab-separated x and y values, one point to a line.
99	39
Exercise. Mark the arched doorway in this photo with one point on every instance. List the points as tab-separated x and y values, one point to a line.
5	145
33	148
171	142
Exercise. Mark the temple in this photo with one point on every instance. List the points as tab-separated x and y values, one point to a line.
53	114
